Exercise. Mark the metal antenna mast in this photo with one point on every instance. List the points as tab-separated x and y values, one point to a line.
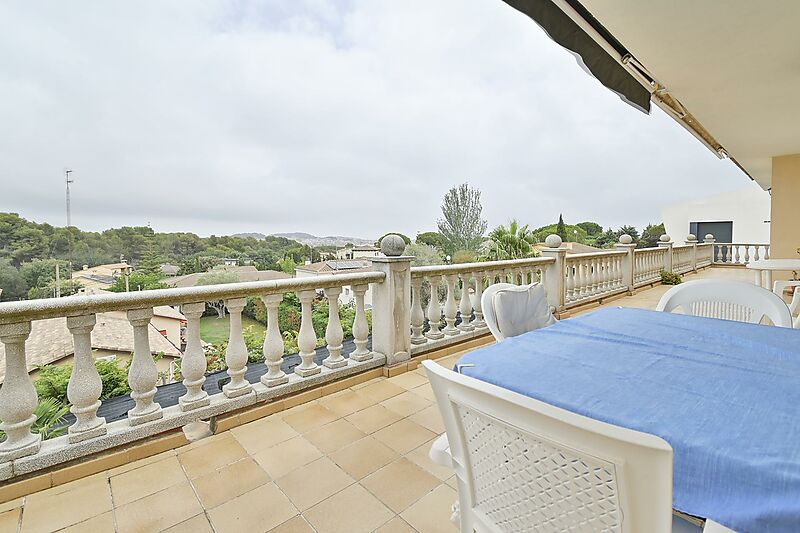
69	212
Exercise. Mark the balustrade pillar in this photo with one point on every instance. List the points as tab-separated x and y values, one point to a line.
555	278
391	309
417	316
306	339
143	373
85	386
236	353
478	322
273	343
450	308
360	326
333	331
709	239
628	261
691	240
434	310
666	243
193	363
18	399
465	306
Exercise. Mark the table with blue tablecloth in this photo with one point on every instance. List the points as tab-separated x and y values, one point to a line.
725	395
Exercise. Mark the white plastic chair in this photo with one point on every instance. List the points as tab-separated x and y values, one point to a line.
729	300
524	465
510	310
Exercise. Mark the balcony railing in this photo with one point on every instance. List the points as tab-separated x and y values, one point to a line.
730	253
414	310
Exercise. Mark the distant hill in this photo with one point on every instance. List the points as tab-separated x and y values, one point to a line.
312	240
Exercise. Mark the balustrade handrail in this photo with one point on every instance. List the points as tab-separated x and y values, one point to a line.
653	249
588	255
99	303
683	246
460	268
740	243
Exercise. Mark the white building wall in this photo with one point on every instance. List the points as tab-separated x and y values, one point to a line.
747	208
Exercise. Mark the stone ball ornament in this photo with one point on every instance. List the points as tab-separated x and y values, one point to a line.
691	237
625	239
552	241
393	245
664	238
709	236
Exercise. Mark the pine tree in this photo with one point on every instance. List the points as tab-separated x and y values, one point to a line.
561	228
150	263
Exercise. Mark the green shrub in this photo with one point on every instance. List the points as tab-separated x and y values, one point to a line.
52	380
49	415
670	278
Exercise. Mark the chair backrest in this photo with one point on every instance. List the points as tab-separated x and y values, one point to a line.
729	300
524	465
510	310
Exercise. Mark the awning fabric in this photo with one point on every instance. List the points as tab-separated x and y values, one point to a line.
590	55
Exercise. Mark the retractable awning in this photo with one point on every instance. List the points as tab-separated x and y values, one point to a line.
589	54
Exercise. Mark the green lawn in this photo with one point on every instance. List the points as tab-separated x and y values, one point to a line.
215	330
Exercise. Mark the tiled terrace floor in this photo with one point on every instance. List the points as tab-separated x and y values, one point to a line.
355	461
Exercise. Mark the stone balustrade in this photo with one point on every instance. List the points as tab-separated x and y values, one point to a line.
729	253
414	310
23	451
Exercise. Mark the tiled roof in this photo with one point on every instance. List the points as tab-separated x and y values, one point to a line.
51	341
248	273
336	266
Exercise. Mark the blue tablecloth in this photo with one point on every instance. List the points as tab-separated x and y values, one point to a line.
725	395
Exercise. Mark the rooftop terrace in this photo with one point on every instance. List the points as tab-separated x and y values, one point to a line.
350	456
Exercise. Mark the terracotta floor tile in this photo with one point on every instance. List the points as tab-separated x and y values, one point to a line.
400	484
103	523
381	390
406	404
334	436
262	434
432	512
149	479
229	482
429	418
404	435
347	402
408	380
12	504
260	509
363	457
425	391
9	520
196	524
282	458
158	511
420	457
310	418
206	459
367	383
373	418
133	465
297	524
353	510
314	482
396	525
67	504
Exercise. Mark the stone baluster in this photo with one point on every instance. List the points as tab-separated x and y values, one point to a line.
747	253
465	306
360	326
580	289
18	399
417	315
570	282
193	363
85	386
143	373
306	338
523	276
766	251
450	308
236	352
273	343
333	331
434	310
478	321
755	253
738	254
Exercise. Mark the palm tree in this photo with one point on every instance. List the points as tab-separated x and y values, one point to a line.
512	242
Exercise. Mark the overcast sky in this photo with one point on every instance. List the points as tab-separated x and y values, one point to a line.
334	118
